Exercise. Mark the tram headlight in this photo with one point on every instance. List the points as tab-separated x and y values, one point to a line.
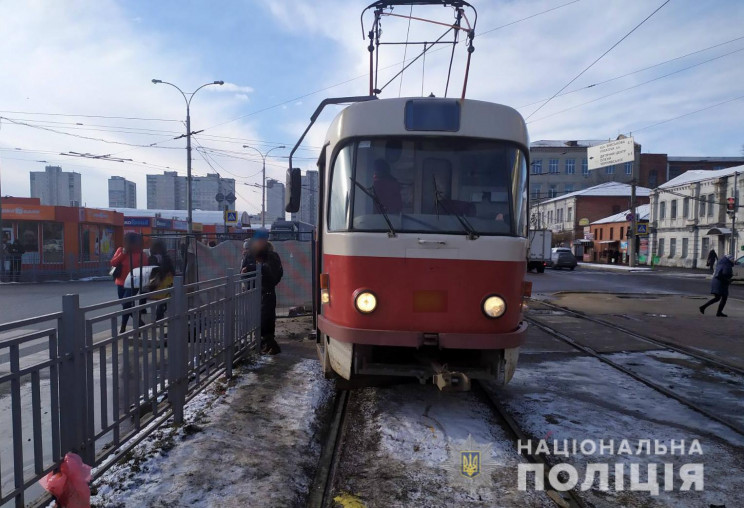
365	302
494	306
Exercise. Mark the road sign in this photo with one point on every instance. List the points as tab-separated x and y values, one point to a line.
642	229
231	217
609	154
230	198
219	197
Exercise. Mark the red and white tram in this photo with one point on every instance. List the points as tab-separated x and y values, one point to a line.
422	245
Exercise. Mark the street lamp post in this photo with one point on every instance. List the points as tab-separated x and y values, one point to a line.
263	156
188	144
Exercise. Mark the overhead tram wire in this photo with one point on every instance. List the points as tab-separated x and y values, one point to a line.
90	116
690	113
405	51
599	58
366	75
635	86
598	83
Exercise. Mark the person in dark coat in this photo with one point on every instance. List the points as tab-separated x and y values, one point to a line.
719	287
16	251
261	252
712	260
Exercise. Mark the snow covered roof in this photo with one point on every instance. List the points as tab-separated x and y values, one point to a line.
642	213
564	143
699	175
704	159
604	189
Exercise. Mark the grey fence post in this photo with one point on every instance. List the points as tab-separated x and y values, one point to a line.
258	296
178	346
72	381
229	328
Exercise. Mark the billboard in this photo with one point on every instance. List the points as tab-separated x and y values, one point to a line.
609	154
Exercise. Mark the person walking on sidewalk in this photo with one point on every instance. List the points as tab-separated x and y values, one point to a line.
260	251
163	278
712	260
719	287
125	259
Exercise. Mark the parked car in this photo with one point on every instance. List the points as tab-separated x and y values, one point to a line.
562	257
739	269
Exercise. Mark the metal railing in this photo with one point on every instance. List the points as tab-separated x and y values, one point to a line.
73	381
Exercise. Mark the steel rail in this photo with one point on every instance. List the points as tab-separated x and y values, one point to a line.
568	498
665	391
703	357
322	487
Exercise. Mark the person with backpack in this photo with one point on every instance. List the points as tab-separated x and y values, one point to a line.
126	258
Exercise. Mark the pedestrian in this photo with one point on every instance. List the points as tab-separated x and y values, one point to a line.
16	251
261	252
712	260
163	277
126	258
719	287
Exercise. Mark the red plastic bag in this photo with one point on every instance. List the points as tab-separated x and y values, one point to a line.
69	483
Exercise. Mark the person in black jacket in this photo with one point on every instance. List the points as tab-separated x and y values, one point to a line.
719	286
261	252
16	252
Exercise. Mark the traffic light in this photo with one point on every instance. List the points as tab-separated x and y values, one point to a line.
730	205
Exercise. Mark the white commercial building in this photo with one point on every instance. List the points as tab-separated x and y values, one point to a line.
55	187
689	217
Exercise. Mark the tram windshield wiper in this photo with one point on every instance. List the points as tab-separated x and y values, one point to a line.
439	200
376	200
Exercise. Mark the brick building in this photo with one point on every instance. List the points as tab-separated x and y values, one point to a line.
567	215
658	168
604	237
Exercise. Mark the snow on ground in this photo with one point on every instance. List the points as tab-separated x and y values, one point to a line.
251	442
402	449
581	398
720	392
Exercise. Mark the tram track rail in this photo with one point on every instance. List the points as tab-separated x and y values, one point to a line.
321	491
564	499
638	377
699	355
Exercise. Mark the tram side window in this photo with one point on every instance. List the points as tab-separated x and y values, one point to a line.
339	203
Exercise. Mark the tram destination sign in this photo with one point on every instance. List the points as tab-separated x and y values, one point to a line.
609	154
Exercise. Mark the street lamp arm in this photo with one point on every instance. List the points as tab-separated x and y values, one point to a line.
275	148
188	102
263	157
160	81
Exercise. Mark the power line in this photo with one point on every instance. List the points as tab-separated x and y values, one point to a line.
599	58
636	86
690	113
598	83
395	65
90	116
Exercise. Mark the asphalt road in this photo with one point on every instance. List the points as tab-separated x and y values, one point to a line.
22	301
610	281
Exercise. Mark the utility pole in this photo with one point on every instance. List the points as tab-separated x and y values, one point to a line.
733	215
2	235
188	134
633	218
263	156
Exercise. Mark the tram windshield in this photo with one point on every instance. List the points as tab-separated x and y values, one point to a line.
429	185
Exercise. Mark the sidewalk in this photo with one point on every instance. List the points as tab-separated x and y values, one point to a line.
618	268
251	441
